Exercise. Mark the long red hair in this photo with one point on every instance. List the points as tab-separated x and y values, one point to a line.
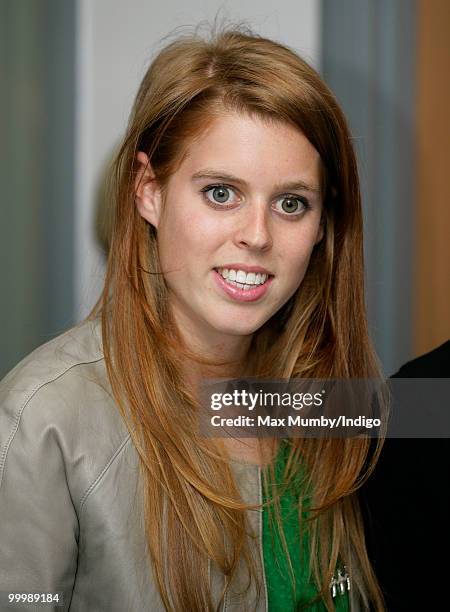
320	332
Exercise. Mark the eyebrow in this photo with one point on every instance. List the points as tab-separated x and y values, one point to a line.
223	176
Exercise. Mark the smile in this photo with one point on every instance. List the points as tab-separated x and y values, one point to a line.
243	280
242	286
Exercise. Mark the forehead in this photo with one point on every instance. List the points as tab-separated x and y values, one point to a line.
259	150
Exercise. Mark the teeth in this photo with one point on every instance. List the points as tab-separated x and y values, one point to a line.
241	278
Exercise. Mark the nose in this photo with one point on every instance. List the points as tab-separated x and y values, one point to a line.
253	231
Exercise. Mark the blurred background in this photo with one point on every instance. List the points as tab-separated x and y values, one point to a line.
69	70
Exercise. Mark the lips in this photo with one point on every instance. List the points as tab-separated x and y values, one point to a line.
244	280
242	295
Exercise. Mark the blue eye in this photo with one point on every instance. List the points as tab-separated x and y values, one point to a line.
218	194
293	205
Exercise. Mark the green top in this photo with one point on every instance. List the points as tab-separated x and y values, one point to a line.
278	578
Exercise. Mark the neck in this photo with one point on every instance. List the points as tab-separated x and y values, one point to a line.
226	352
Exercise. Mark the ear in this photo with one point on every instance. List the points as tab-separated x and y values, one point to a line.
148	193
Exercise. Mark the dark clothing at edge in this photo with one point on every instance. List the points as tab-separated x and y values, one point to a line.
406	509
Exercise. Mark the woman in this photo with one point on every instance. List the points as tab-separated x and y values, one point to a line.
236	170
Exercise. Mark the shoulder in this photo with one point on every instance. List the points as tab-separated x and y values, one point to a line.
58	400
79	344
64	379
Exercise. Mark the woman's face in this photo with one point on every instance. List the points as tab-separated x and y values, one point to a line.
237	226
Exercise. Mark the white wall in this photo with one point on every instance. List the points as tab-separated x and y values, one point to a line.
116	40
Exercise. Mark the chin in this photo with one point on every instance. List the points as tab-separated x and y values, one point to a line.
238	327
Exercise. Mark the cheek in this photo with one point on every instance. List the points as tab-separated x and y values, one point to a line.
187	234
295	257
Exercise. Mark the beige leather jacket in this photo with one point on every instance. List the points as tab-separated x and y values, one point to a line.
70	503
